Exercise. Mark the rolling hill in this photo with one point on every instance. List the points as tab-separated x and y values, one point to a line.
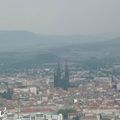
21	49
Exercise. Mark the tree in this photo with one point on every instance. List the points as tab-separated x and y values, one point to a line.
6	95
65	112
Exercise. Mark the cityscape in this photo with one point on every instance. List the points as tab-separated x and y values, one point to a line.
59	60
61	92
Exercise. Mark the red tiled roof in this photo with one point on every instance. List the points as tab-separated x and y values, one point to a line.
32	110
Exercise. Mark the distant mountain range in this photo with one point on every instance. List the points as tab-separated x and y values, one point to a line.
28	41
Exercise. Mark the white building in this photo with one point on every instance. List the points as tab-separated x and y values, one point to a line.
37	116
32	89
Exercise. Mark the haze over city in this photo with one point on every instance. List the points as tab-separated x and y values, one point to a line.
61	17
59	60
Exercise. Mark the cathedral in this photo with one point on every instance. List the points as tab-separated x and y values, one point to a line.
61	79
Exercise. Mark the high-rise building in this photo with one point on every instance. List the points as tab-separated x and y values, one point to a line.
61	80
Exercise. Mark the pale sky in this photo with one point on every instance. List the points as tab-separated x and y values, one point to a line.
61	17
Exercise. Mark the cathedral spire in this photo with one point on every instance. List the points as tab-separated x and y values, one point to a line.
66	76
57	76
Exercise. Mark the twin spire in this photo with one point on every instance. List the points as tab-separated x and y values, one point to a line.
61	80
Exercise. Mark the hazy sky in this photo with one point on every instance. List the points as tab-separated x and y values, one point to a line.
61	16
